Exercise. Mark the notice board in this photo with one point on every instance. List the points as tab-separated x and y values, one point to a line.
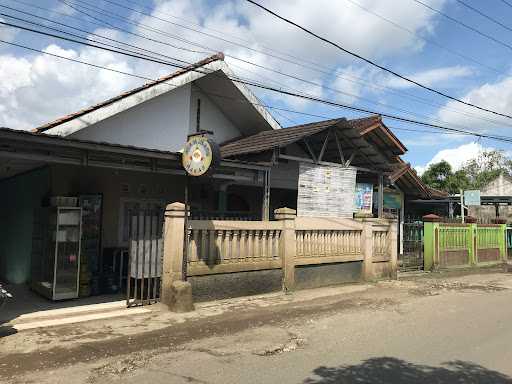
326	191
364	197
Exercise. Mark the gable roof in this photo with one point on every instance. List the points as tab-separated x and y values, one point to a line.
73	122
268	140
408	181
365	127
374	126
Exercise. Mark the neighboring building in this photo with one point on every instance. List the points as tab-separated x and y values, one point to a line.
496	200
122	156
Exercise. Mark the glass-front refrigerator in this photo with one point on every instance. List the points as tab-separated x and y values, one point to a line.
56	252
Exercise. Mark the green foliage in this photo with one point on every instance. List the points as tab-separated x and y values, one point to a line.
474	174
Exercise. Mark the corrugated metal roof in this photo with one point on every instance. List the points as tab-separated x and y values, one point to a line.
18	134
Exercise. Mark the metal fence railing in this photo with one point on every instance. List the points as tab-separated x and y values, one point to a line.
145	257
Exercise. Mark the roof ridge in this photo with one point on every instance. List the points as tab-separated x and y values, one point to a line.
216	57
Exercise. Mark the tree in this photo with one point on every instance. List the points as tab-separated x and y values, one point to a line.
440	176
474	174
486	167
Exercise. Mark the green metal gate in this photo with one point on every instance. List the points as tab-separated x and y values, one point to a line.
509	243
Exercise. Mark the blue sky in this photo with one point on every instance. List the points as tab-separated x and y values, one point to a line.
36	88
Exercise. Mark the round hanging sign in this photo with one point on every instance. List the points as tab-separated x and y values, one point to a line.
200	155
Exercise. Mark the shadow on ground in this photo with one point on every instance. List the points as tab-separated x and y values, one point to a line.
387	370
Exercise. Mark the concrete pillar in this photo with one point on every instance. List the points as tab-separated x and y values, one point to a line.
380	198
393	252
367	250
265	207
287	246
175	293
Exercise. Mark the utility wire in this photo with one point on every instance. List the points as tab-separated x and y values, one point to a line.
262	86
490	18
373	85
462	24
186	62
506	2
371	62
429	41
167	82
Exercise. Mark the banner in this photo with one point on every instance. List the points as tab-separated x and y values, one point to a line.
364	196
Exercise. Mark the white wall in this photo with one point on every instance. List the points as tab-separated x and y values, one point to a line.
160	123
163	122
501	186
211	118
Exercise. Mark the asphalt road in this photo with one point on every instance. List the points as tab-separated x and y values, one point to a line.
448	330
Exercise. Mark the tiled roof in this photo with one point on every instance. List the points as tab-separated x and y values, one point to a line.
61	120
268	140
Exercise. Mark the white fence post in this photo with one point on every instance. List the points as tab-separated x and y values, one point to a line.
287	246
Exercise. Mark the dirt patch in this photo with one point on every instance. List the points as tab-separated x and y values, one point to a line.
172	337
121	366
438	287
291	345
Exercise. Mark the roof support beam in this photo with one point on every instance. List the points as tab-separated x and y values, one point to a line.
340	151
350	159
310	150
324	146
355	149
305	160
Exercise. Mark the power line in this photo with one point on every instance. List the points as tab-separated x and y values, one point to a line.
262	86
186	62
280	58
464	25
371	62
78	29
167	82
401	94
484	15
507	3
430	41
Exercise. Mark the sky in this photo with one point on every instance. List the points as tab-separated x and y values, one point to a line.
402	35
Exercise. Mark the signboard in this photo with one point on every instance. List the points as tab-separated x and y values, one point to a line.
472	197
392	200
325	191
200	155
364	196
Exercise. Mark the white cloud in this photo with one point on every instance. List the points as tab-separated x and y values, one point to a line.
37	89
455	156
431	77
495	96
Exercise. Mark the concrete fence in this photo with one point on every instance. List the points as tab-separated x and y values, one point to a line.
304	252
449	245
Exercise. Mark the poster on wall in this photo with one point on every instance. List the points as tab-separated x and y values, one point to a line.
325	191
364	197
392	200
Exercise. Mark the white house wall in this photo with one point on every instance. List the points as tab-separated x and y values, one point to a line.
501	186
159	123
211	118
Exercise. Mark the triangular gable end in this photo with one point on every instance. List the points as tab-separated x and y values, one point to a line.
174	95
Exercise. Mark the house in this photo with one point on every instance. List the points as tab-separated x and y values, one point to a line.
496	200
122	156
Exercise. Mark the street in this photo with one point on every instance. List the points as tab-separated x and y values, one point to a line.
432	329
